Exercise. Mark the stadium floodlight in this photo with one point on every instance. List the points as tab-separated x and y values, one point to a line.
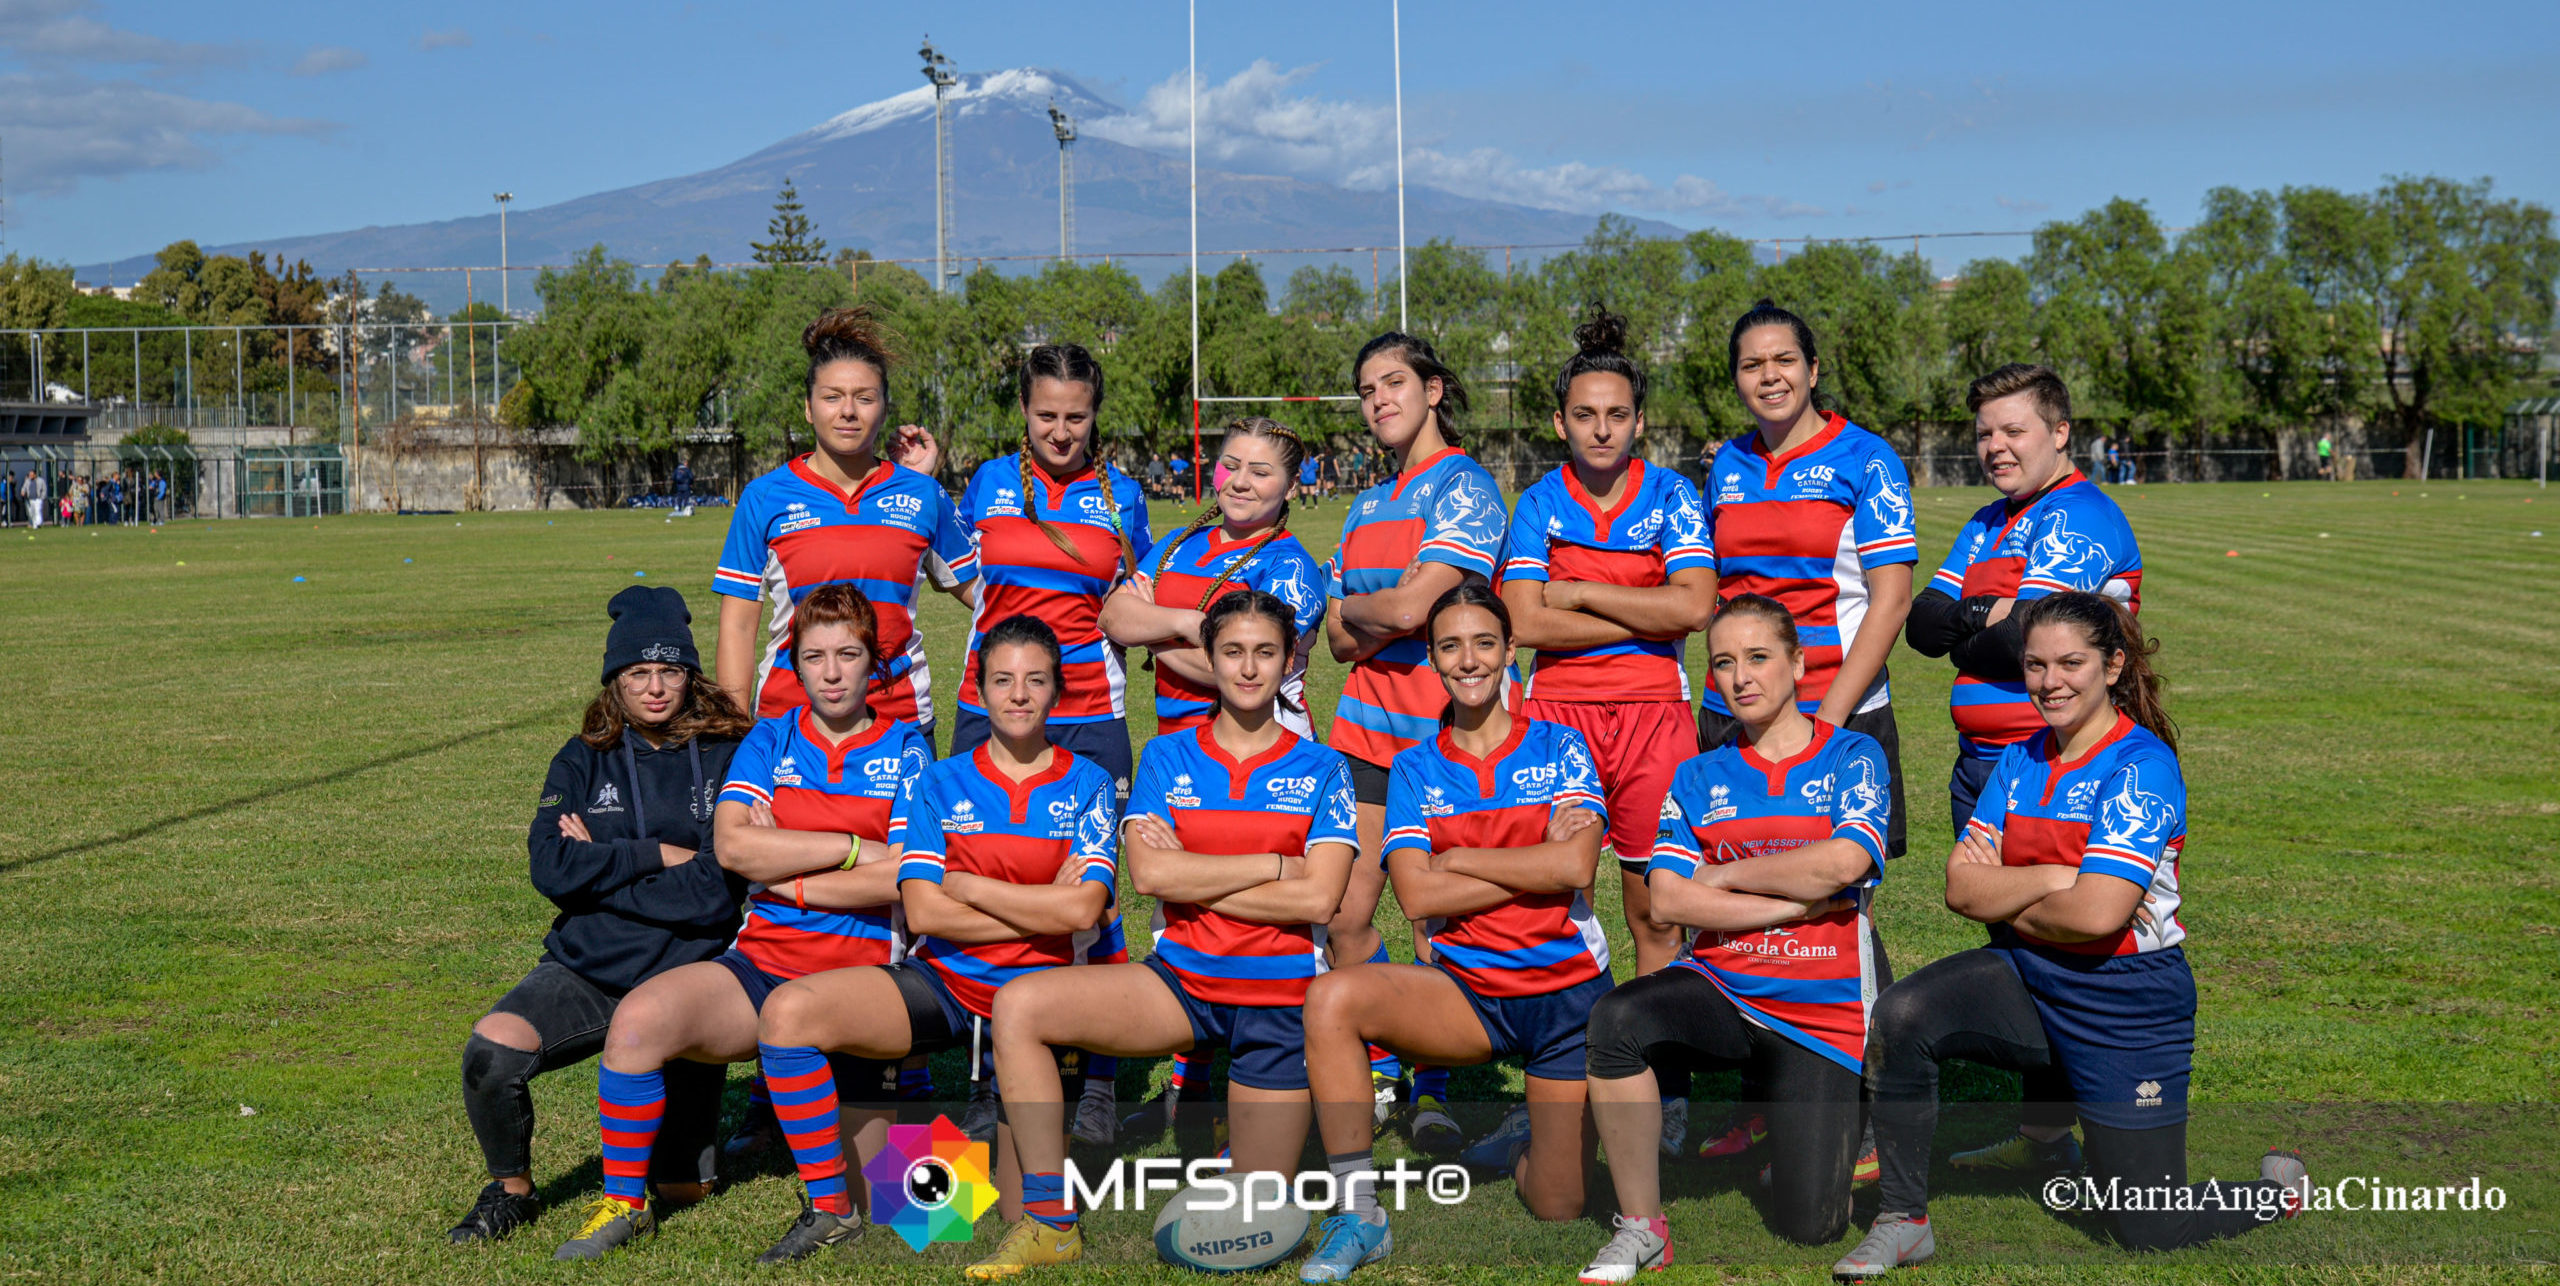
937	69
502	198
1064	126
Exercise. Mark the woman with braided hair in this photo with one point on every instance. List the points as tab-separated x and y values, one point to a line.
1240	541
1056	529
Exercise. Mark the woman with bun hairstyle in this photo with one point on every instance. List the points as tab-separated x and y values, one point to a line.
2072	858
856	511
619	847
1240	542
1056	528
811	813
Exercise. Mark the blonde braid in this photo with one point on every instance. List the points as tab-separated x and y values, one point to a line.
1031	507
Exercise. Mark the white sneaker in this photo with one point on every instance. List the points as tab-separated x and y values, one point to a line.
1638	1245
1891	1242
1675	1126
1097	1116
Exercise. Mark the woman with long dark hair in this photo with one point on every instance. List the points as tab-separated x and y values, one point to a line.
617	847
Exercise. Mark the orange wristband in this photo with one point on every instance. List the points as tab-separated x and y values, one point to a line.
796	899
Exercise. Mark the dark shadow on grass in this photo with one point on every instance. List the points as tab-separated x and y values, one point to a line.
330	777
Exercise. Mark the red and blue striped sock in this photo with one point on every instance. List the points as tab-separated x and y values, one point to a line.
915	1082
1431	1082
804	1102
1181	1072
1044	1197
629	1108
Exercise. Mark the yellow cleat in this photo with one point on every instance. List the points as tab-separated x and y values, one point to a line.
1030	1244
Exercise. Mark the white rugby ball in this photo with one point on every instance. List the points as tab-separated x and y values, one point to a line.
1191	1234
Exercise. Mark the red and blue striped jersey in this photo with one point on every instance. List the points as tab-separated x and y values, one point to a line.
793	531
1442	510
1559	532
1287	799
1439	797
1810	980
1805	527
2119	810
2070	537
859	788
967	816
1184	569
1027	574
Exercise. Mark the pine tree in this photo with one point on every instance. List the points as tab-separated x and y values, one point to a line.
790	232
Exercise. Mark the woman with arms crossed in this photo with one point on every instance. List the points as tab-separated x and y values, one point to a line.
810	813
2072	858
1768	845
617	846
1244	834
1008	858
1493	832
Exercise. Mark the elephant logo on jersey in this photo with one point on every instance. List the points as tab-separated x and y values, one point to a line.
2066	559
1338	811
1688	521
1579	774
2132	815
911	764
1290	586
1093	830
1864	798
1891	502
1461	507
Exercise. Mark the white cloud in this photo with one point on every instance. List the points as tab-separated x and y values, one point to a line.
61	31
1257	120
63	129
324	59
449	38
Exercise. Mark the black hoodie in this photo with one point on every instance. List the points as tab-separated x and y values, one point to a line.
625	915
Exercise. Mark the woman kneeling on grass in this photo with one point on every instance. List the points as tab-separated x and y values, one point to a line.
2072	857
1244	833
810	813
1009	857
617	845
1493	832
1767	845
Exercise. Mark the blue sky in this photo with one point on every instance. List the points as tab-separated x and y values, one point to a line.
124	125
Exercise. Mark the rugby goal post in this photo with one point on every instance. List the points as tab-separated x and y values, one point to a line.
1191	89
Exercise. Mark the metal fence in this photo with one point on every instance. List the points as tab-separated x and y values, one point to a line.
104	483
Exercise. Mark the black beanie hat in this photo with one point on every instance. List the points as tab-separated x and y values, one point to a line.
650	623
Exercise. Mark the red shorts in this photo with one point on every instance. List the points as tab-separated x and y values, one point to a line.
1637	746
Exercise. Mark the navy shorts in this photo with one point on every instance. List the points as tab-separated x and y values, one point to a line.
1549	1033
1104	741
1266	1044
858	1080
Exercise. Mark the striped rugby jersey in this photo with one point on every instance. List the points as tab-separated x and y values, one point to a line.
1183	570
1439	797
793	531
1559	532
1810	981
1287	799
2120	810
2069	537
1442	510
856	788
966	816
1027	574
1805	528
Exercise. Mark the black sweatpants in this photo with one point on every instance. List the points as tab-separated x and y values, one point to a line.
1971	1005
1676	1019
571	1015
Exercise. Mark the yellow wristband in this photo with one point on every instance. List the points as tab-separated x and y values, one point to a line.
853	852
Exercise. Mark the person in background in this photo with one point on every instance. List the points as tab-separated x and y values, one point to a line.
8	498
620	845
2327	472
1159	478
32	492
684	487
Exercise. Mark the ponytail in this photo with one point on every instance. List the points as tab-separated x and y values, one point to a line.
2110	628
1600	348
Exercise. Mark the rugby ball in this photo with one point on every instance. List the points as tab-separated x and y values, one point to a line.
1191	1233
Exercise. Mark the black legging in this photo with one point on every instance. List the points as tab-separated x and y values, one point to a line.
1677	1018
1972	1006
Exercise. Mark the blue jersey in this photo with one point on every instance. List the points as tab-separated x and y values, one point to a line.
2119	810
1560	533
969	817
1443	510
1809	980
1285	800
1439	797
1102	515
858	787
1183	572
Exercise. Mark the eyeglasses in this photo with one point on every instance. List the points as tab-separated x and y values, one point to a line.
639	677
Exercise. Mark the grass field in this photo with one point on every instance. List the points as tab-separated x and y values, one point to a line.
264	863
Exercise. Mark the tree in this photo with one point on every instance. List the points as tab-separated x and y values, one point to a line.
790	232
35	295
1990	322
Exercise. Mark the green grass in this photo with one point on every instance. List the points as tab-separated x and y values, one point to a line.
264	851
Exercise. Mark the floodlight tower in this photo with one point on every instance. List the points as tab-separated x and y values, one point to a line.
937	69
502	198
1065	128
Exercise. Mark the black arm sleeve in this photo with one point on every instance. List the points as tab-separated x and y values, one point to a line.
1937	623
567	870
1992	652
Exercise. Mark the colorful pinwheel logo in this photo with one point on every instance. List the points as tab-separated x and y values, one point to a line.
929	1183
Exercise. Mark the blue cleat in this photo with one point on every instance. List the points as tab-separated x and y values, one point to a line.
1345	1242
1500	1150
